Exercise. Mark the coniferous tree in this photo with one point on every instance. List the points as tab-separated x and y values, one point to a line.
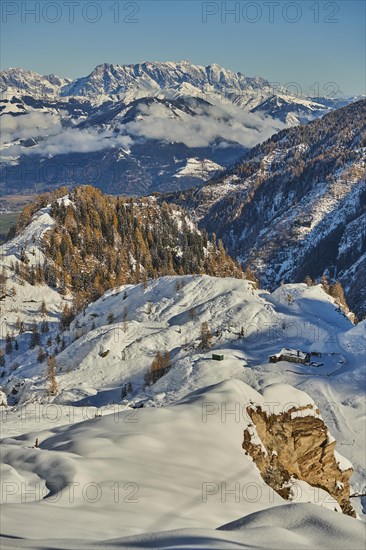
192	313
308	280
67	317
18	325
43	309
167	360
35	337
51	375
3	281
44	326
157	370
32	276
41	355
206	336
325	284
145	282
125	319
249	275
337	292
8	344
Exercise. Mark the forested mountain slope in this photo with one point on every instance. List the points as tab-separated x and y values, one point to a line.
87	242
295	205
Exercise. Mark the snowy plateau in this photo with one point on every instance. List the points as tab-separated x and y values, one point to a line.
109	461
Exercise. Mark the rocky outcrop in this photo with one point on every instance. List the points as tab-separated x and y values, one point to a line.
296	444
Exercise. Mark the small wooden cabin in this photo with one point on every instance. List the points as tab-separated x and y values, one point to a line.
291	355
218	357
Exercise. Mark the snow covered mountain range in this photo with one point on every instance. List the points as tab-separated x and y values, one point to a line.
295	205
134	129
165	79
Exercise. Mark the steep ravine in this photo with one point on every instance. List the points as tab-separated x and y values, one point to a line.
297	444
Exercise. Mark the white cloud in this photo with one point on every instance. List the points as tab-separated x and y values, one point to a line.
52	138
156	121
227	122
34	124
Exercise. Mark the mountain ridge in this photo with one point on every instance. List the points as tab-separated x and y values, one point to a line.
137	129
294	206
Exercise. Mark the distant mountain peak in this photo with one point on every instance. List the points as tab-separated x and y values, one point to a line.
144	122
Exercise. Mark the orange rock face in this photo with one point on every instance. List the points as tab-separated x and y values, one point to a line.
297	445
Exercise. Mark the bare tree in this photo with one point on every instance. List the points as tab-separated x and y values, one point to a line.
206	336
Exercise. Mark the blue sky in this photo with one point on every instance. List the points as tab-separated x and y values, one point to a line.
304	42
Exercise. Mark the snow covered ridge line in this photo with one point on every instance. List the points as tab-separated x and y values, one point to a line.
149	77
279	528
170	80
54	413
239	411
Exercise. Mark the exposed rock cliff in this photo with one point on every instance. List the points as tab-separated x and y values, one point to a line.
297	444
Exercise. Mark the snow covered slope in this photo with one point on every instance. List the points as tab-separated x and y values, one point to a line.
280	528
109	470
130	473
101	355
